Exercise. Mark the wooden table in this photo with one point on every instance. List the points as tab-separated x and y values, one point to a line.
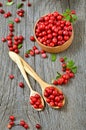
14	100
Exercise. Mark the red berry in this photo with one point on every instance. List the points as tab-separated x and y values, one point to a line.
60	81
26	55
60	104
37	51
3	39
29	4
73	12
22	122
21	84
65	76
55	82
61	59
44	55
17	20
32	38
11	76
64	65
26	126
38	126
1	4
11	123
9	126
71	75
12	118
32	53
34	47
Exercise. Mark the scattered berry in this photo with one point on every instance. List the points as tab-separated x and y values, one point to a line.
11	76
12	118
38	126
32	38
21	84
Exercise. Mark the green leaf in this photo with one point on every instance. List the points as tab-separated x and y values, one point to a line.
65	14
19	46
67	18
70	63
68	10
65	58
74	69
28	51
58	75
53	57
19	5
74	16
10	21
9	3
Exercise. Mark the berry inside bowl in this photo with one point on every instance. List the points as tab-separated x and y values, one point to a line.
52	33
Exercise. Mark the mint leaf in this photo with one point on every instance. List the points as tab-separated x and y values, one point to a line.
74	69
9	3
74	17
65	14
68	10
19	46
70	63
58	75
65	58
28	51
10	21
19	5
53	57
67	18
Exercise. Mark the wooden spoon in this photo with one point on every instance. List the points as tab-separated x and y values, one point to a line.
17	60
42	83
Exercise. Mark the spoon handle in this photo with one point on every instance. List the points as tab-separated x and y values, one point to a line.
20	66
32	73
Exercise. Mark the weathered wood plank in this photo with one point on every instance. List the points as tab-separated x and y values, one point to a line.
14	100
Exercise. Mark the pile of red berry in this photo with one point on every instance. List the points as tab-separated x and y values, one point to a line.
14	42
36	102
35	51
54	97
66	76
51	30
22	123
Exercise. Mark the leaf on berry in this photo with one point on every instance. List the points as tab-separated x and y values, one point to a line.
9	3
10	22
74	17
74	69
68	11
28	51
67	18
70	63
65	58
19	5
53	57
67	15
58	75
19	46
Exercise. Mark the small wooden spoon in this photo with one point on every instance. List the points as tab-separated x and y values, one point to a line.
43	84
17	60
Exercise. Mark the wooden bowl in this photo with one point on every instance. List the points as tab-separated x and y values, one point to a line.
55	49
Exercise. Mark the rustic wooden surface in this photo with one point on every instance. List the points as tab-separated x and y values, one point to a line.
14	100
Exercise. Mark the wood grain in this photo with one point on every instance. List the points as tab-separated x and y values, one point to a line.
14	100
